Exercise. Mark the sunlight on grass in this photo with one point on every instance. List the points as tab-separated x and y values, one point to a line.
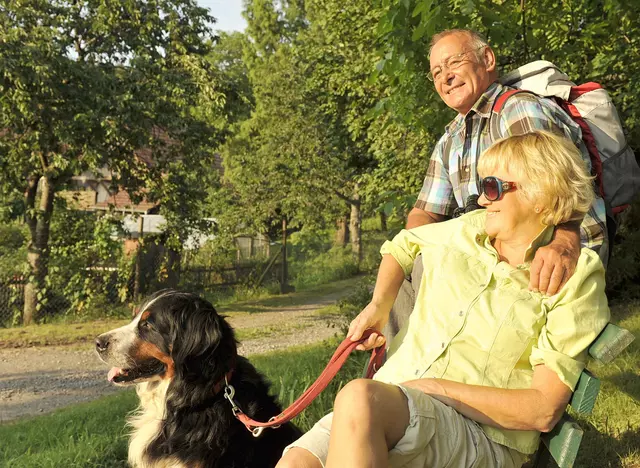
93	434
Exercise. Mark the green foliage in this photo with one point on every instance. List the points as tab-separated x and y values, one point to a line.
91	85
576	36
13	250
335	264
623	272
86	261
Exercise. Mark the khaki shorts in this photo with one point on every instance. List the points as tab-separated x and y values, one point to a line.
437	436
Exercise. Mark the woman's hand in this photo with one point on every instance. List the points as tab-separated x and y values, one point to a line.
372	316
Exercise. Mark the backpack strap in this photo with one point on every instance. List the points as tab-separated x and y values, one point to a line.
498	104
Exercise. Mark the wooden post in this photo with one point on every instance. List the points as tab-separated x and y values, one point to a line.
137	285
284	287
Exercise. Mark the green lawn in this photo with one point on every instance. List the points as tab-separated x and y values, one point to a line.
93	434
82	333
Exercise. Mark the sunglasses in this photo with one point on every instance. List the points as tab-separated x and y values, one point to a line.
493	188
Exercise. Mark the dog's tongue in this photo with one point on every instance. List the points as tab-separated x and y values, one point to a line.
114	372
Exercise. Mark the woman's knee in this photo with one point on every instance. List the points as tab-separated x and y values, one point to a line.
298	457
362	397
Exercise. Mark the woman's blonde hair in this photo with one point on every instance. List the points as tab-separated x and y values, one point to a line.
550	170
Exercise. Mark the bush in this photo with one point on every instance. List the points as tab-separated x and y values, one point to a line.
623	271
13	250
335	264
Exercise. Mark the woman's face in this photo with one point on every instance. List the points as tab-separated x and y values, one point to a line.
511	218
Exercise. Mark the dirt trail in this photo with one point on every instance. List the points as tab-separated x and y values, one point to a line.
39	380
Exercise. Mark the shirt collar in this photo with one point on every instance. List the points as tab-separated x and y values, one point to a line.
482	107
543	238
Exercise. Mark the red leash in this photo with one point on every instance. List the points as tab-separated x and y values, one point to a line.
310	394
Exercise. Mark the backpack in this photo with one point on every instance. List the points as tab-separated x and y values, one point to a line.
614	165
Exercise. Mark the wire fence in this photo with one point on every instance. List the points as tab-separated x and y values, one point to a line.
105	290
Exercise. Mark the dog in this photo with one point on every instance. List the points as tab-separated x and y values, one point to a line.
180	354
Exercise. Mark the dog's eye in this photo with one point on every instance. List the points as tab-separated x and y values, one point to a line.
145	325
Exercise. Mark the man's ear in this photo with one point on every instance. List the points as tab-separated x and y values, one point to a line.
489	59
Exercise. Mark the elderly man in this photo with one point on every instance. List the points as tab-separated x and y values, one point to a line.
463	70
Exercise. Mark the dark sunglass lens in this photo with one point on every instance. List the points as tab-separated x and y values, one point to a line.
490	186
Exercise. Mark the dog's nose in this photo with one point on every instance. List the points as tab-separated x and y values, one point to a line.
102	343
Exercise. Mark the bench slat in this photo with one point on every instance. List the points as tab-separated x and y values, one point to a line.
584	397
611	342
563	441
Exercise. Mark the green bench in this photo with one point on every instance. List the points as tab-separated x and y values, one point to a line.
562	443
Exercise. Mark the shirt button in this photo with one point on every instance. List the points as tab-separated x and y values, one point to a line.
417	371
460	313
443	344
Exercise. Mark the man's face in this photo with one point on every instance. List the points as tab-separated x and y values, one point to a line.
461	87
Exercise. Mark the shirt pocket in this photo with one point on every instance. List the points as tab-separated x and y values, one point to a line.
511	341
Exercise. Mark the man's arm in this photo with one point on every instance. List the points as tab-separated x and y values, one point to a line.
553	264
419	217
537	408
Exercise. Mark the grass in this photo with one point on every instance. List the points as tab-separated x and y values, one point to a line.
65	333
93	434
51	334
612	431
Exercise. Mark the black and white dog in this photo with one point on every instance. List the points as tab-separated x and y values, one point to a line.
179	351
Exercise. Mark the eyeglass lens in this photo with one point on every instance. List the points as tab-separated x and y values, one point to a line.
490	188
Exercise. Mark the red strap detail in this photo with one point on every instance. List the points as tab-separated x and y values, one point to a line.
577	91
620	209
334	365
499	103
589	141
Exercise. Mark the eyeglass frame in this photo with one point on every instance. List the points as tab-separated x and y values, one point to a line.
503	187
444	64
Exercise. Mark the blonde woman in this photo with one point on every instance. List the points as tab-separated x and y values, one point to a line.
484	365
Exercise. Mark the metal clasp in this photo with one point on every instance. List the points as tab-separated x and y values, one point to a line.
229	393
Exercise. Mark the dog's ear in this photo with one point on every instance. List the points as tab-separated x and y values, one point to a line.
203	345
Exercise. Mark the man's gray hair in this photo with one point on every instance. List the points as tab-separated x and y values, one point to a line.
476	40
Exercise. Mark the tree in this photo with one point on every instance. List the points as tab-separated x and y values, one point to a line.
88	83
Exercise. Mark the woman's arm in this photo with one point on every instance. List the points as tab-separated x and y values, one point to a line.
538	408
376	314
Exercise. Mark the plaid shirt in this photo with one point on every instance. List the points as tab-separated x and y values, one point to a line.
452	175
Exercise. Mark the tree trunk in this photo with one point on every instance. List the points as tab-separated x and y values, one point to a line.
342	235
174	258
138	272
383	221
355	226
284	280
38	221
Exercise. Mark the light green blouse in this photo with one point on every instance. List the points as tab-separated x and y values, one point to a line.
476	322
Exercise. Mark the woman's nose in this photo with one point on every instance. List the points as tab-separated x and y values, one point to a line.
482	200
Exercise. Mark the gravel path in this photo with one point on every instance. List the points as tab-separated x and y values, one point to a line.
39	380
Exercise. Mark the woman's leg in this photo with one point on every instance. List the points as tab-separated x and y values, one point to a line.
299	458
369	418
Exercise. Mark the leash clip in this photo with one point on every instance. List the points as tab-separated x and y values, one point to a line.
229	393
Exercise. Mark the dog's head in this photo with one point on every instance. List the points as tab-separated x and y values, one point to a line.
173	335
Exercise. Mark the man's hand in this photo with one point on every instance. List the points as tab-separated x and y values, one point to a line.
555	263
372	316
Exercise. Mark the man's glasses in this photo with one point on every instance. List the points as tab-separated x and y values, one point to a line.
493	188
450	63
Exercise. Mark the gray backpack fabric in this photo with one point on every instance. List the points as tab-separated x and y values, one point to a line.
589	105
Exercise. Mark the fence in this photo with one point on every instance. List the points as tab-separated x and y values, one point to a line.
104	289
